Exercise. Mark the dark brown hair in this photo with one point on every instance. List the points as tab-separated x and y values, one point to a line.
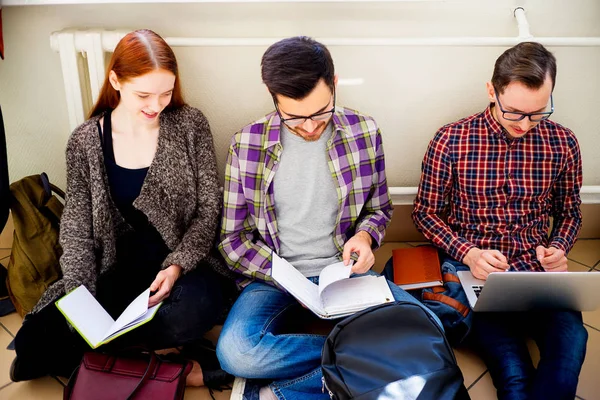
293	67
138	53
528	62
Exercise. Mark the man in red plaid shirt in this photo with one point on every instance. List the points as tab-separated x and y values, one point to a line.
503	173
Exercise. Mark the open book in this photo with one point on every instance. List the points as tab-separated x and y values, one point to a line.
92	321
336	295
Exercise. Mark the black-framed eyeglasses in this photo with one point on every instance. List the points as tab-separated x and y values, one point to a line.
517	116
317	117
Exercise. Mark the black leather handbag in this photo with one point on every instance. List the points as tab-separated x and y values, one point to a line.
391	351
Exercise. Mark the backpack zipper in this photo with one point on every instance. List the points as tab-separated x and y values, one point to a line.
325	387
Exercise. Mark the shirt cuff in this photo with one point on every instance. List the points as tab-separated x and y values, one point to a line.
460	248
560	244
376	236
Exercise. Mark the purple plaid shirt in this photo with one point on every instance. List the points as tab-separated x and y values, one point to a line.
249	225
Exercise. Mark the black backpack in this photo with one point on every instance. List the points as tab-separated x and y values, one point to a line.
391	351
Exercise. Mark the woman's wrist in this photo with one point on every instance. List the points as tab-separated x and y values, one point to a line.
175	271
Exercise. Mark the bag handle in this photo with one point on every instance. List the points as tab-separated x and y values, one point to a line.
70	384
151	364
50	187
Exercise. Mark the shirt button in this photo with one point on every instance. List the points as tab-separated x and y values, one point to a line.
509	176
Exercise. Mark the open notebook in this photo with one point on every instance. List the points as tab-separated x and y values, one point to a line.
337	295
92	321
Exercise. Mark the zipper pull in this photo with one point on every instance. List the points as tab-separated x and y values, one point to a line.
325	387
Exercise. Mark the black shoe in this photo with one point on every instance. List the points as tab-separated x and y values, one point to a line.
217	379
204	352
214	378
20	372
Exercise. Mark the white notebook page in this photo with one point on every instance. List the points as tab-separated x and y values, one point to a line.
88	316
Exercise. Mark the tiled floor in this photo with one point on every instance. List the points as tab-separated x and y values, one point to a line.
585	256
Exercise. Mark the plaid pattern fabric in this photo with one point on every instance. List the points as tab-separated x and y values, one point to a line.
249	224
501	192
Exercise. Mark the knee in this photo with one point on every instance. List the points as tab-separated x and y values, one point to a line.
570	347
184	314
233	352
577	341
573	334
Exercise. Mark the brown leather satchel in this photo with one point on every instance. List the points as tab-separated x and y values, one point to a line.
144	376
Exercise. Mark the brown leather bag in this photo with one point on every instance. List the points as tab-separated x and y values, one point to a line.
145	376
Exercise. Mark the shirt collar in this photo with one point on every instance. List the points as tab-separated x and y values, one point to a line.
340	122
493	125
273	130
498	131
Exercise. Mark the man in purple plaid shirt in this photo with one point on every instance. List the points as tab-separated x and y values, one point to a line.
308	183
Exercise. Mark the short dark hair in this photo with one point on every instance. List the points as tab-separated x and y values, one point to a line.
294	66
528	62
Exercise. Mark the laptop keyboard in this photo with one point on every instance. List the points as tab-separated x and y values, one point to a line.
477	289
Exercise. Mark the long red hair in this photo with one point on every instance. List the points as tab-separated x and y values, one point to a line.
138	53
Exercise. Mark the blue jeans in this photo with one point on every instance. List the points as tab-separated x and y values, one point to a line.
253	343
499	338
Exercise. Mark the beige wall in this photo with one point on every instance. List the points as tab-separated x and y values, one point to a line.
410	91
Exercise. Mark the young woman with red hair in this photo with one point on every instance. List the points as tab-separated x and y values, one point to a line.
141	211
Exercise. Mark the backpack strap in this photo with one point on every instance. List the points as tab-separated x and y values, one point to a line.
58	191
50	187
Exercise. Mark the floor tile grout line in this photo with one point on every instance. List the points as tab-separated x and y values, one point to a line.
8	384
589	326
6	329
579	262
477	380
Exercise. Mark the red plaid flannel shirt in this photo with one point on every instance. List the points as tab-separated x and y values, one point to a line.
500	192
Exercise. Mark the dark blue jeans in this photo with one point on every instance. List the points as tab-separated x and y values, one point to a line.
500	339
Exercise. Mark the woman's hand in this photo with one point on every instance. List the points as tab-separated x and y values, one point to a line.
163	284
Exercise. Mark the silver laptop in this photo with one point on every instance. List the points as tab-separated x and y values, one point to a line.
524	291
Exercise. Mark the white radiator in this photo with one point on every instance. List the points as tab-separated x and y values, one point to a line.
94	44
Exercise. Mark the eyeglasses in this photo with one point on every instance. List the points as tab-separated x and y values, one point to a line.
317	117
517	116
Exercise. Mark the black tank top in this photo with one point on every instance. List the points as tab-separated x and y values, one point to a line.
125	184
144	245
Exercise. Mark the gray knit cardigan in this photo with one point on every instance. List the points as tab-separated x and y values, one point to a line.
180	196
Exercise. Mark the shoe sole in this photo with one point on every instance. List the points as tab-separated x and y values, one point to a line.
237	391
11	372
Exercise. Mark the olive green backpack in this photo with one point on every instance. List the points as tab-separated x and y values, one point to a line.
33	264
